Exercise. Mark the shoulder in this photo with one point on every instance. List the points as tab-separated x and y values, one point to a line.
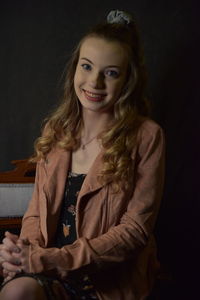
150	135
149	128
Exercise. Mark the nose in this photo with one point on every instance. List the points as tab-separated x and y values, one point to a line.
97	80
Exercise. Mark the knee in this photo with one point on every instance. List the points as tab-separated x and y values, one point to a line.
20	289
12	290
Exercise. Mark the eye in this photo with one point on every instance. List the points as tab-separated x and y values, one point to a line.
86	67
112	73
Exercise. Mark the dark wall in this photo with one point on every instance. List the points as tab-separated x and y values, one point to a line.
36	38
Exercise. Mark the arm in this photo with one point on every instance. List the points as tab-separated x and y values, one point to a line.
31	220
136	225
32	215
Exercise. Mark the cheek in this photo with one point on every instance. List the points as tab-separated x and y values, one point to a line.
78	79
118	87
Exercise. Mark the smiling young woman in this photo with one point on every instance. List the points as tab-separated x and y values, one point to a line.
100	74
88	231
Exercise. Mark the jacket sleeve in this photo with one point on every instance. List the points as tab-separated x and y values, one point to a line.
136	226
31	220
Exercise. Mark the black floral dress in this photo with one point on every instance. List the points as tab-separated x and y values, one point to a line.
66	234
66	231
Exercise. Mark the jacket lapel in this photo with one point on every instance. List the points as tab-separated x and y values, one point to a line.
56	167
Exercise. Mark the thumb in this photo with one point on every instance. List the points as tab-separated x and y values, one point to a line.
23	242
11	236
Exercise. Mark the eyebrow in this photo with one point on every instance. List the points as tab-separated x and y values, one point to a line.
110	66
87	60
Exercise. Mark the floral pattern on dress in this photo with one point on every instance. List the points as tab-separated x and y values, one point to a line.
66	234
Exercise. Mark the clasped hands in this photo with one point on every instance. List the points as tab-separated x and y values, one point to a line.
14	255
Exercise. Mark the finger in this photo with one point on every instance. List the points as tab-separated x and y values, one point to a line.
7	279
5	273
1	260
12	268
24	254
25	241
23	247
11	274
7	256
11	236
24	257
10	245
22	242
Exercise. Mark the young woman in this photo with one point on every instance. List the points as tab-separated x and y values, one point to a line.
88	231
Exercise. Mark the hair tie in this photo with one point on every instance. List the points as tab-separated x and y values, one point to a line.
119	17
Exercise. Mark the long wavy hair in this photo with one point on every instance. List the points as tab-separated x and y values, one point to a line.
63	126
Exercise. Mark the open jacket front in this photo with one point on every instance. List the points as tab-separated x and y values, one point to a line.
115	244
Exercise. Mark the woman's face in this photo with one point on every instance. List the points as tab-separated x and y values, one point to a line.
100	74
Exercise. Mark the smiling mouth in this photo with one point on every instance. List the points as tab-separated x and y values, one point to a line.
94	96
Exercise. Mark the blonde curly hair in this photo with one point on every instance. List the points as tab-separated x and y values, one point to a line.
63	126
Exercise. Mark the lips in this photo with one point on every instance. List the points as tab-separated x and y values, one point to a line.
94	96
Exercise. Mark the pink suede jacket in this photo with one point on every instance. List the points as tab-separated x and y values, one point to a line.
115	243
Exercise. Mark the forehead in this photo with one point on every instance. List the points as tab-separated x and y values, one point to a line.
101	51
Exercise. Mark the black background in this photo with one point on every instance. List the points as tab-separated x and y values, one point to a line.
36	38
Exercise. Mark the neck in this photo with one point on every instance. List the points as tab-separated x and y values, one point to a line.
94	123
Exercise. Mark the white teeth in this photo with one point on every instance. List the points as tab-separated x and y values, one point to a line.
94	95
